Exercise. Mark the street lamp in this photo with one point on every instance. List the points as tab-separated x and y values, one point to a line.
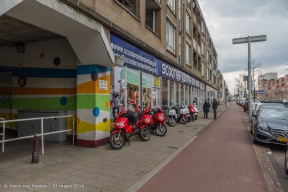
249	40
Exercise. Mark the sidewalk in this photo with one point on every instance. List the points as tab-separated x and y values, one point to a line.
221	159
67	167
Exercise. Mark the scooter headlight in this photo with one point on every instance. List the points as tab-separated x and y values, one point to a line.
147	120
120	124
172	112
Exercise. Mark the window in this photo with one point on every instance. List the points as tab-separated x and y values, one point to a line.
208	73
188	49
130	6
203	69
188	21
150	19
179	50
207	56
171	5
170	36
179	15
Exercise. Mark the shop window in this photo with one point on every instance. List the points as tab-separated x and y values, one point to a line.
187	95
182	93
170	36
164	93
177	97
133	89
172	93
146	90
131	5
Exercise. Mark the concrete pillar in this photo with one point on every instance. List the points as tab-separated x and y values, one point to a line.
93	105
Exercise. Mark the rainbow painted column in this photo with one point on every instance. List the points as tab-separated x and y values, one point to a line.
93	105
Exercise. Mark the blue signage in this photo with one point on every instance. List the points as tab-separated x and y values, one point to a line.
261	92
132	56
226	94
136	58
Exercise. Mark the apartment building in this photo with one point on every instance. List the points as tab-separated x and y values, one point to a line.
75	55
274	89
268	76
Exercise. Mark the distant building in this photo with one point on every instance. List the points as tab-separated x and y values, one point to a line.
268	76
274	89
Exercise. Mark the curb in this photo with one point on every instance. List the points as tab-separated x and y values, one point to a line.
138	184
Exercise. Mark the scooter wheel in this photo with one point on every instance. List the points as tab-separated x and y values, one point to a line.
117	141
161	129
183	120
172	122
189	119
145	134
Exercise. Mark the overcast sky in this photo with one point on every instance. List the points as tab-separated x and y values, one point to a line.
228	19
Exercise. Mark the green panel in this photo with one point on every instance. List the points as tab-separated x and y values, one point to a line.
51	103
91	101
132	78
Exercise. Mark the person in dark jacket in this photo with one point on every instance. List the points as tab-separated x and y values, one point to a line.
206	107
214	106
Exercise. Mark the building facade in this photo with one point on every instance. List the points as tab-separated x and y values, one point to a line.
268	76
274	89
153	53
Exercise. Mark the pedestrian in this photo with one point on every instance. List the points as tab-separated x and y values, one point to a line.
214	106
206	107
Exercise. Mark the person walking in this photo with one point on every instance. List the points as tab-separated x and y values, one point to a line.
206	107
214	106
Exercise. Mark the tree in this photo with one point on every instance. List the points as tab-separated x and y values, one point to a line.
255	72
240	85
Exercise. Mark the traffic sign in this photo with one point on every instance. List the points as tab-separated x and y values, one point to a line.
226	94
261	92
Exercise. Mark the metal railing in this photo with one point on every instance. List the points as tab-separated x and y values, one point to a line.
42	132
1	119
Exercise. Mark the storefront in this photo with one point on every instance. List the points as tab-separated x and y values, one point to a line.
149	82
211	93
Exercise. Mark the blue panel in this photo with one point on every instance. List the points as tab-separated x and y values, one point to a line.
88	69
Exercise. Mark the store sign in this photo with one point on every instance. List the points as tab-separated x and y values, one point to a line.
132	56
172	73
137	59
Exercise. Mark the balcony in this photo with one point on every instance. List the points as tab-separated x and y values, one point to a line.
153	4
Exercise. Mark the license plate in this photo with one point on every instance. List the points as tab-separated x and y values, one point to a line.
282	139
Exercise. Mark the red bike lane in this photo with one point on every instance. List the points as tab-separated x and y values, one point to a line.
222	159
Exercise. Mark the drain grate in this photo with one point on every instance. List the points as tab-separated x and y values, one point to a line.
171	147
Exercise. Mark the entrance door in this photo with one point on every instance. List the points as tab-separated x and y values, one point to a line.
155	96
5	97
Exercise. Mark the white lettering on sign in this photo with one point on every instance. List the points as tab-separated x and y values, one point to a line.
178	75
103	85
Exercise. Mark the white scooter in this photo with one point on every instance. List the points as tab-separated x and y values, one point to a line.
196	111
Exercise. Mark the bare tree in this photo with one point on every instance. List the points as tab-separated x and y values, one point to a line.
255	72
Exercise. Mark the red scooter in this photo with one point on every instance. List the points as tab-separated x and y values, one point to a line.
192	111
158	125
130	123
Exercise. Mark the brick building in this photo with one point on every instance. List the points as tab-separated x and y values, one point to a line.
72	55
274	89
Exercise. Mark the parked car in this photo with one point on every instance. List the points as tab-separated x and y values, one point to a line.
278	105
286	159
270	125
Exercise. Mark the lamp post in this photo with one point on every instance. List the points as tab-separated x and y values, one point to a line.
249	40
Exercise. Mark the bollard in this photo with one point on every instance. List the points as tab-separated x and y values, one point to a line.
35	152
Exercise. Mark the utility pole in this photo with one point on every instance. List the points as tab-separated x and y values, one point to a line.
249	40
